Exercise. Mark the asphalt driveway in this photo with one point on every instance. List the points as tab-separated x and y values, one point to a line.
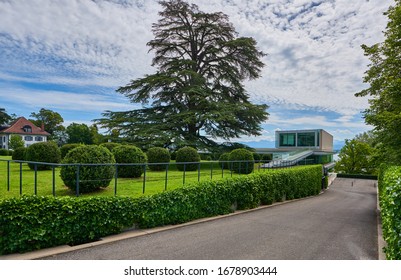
340	224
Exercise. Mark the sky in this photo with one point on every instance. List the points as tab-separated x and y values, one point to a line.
70	56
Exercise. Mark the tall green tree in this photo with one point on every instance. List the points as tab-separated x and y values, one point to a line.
79	133
52	121
4	117
356	157
197	93
384	79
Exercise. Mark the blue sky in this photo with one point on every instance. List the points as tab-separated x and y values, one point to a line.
70	56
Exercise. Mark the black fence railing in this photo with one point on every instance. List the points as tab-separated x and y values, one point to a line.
18	179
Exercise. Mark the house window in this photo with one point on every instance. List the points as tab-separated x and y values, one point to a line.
27	128
28	138
287	140
306	139
39	138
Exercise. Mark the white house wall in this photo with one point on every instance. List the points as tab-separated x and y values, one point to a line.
6	137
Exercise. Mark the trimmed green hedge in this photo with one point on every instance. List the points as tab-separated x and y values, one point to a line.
4	152
33	222
390	205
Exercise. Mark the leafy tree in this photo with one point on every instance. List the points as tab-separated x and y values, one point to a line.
16	142
52	121
356	157
5	118
197	93
97	138
384	78
79	133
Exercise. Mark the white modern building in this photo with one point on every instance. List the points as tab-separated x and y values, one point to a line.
309	146
314	139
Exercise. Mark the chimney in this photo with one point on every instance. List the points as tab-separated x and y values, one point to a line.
42	127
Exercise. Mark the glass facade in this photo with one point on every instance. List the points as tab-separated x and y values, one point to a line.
306	139
299	139
287	140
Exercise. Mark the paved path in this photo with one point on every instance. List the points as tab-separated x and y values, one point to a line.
339	224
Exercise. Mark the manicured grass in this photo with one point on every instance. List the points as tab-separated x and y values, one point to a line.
155	181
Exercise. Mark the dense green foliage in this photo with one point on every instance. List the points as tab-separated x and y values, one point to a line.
130	154
52	121
79	133
4	152
390	204
34	222
223	160
158	155
384	79
242	161
16	142
4	117
91	178
356	157
267	157
43	152
257	157
187	154
19	153
198	86
30	223
110	145
68	147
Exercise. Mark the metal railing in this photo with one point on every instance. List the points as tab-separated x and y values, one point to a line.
15	172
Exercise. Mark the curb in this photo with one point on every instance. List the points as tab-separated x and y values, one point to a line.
381	243
132	234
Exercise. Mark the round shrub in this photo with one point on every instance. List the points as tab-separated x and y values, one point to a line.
4	152
242	161
158	155
68	147
224	157
110	145
129	154
43	152
187	154
91	178
257	157
267	157
19	153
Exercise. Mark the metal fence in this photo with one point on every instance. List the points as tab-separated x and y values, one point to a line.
15	174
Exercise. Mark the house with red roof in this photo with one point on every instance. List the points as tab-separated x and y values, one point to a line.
29	132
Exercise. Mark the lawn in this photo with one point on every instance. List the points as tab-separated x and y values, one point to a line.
155	181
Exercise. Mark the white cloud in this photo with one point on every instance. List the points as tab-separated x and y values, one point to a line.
63	100
314	57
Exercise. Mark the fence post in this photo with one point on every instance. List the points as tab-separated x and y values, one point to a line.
8	175
77	182
144	178
20	178
165	181
54	180
199	168
36	179
211	170
183	179
115	180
